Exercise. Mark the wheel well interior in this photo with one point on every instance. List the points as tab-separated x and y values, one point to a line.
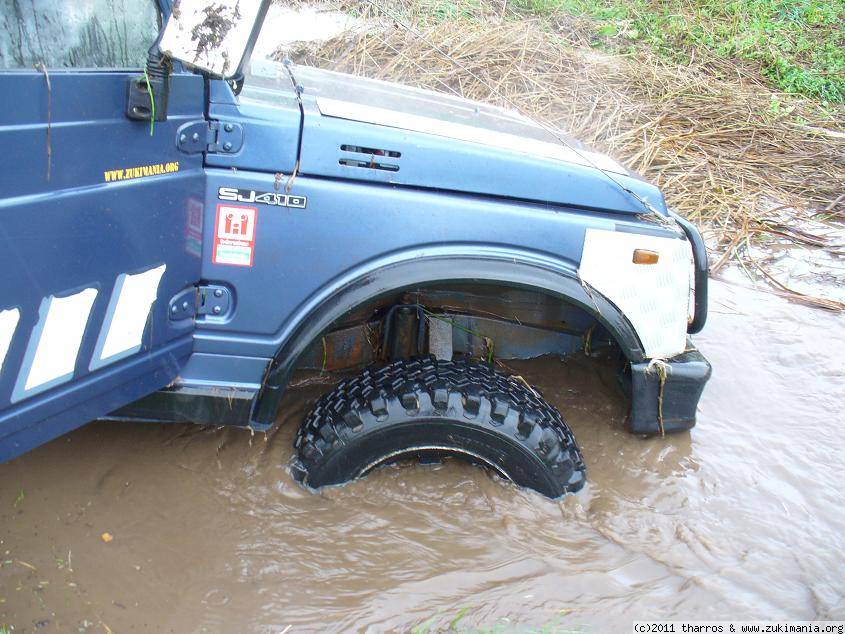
478	320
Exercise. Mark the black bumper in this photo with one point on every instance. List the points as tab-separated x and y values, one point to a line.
685	375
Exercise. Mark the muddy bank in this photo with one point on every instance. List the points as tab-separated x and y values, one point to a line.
741	518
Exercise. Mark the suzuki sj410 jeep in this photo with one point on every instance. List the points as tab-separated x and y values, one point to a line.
181	229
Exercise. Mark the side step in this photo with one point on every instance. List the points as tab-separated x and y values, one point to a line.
188	404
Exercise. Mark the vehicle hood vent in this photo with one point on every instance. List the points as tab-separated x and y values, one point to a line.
369	158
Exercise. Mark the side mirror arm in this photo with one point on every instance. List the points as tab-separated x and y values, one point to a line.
147	94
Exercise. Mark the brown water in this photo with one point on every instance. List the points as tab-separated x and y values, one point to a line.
742	518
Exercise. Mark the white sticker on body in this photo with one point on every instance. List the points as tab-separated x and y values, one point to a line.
126	318
8	323
654	297
59	333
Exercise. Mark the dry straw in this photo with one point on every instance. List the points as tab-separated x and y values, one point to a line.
706	133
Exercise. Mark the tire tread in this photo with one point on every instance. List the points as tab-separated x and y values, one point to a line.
457	390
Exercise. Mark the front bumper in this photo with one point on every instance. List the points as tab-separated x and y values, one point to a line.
685	377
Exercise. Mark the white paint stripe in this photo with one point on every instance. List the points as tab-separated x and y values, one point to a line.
8	322
61	336
129	317
462	132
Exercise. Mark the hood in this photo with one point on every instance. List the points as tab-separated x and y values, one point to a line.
364	129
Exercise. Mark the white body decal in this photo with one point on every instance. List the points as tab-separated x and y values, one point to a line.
462	132
126	318
57	338
8	322
654	297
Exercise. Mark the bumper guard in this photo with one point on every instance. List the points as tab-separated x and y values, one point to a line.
670	403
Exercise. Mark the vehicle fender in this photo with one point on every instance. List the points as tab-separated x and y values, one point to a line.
450	263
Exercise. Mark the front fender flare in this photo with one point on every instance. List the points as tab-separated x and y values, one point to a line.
406	269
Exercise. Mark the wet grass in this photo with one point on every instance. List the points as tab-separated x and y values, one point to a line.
798	45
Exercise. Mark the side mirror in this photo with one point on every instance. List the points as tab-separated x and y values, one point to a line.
214	36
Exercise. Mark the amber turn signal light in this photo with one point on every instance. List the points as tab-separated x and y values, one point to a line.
644	256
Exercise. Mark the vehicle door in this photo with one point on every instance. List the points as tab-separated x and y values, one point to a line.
100	217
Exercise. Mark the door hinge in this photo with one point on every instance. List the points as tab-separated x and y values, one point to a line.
207	299
223	137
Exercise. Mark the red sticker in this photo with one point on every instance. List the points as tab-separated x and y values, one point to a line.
234	237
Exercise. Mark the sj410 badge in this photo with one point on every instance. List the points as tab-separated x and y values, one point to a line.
233	194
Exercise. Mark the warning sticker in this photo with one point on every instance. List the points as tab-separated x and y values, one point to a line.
234	236
193	227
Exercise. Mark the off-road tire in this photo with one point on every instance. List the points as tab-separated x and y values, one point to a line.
424	406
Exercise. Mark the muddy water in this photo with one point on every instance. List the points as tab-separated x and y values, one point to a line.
742	518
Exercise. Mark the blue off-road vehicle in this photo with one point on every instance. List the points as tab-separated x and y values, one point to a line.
180	229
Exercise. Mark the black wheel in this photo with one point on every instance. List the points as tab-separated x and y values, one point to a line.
426	407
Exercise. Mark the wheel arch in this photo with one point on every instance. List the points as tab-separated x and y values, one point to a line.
455	263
